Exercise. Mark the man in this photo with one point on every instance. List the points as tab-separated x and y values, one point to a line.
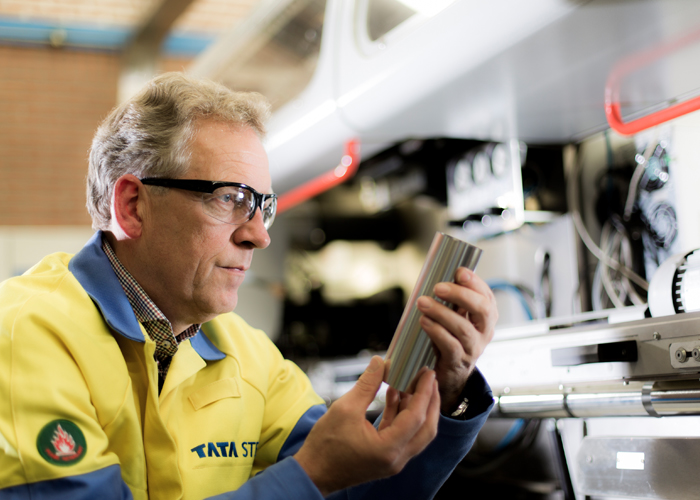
123	373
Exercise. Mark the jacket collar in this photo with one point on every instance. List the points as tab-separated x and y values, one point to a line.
93	271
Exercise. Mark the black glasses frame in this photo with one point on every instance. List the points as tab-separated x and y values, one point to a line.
209	187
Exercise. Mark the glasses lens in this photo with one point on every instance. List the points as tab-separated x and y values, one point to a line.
268	211
230	204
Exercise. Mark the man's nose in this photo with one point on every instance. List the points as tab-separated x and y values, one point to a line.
253	232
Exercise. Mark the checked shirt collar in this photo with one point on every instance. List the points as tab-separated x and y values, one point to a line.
147	313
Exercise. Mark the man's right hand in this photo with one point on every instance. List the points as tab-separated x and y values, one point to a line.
344	449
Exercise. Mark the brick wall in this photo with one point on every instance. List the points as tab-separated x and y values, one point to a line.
51	102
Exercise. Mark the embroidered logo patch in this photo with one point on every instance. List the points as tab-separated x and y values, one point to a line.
61	442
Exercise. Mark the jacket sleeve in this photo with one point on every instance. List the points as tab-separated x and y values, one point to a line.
52	439
421	478
105	484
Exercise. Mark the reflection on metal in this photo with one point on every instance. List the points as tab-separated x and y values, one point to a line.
278	42
639	467
141	55
655	403
411	349
520	359
541	405
630	460
646	399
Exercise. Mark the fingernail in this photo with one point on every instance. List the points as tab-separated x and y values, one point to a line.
441	289
465	274
424	303
374	364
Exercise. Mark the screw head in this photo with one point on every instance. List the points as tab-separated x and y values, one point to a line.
656	336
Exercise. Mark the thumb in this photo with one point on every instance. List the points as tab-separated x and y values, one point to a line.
366	387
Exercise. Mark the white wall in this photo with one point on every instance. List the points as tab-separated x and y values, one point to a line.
23	246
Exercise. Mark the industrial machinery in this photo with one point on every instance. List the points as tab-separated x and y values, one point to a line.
544	133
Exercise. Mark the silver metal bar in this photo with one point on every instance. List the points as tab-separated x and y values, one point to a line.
541	405
411	348
633	403
606	404
646	399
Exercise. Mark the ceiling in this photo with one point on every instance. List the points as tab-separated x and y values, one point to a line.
268	46
202	16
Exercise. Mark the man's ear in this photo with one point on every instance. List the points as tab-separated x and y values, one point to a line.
127	207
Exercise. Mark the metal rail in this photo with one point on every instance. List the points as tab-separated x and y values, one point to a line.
645	402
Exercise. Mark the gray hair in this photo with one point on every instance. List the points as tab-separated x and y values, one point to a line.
149	135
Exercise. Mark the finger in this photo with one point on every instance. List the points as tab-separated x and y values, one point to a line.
465	280
409	421
463	297
429	429
419	401
468	278
489	314
391	408
448	345
412	385
406	396
366	387
441	323
479	309
405	399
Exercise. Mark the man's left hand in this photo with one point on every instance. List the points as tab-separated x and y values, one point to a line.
461	335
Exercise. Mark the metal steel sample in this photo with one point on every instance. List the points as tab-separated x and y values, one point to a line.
411	348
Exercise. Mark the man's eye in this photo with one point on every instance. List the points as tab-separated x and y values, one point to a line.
226	198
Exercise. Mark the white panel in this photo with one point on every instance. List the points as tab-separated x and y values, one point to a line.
686	146
23	246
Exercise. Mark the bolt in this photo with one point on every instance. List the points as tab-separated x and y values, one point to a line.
681	355
657	336
696	354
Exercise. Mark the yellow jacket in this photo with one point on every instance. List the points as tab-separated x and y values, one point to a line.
81	417
229	402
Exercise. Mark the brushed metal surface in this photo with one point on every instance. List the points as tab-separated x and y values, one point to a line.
639	467
522	364
643	402
410	348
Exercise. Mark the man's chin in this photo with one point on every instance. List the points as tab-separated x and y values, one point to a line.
210	309
225	306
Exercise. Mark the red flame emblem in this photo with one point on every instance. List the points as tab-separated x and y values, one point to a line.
63	443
